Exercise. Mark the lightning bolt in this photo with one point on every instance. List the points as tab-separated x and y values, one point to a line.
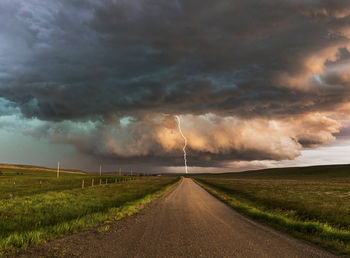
183	136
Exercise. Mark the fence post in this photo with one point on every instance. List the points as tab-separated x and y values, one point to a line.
106	181
92	182
82	184
100	181
58	169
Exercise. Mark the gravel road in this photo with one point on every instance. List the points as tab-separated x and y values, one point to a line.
188	222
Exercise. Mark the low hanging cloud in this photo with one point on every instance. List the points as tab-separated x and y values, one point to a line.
252	80
212	140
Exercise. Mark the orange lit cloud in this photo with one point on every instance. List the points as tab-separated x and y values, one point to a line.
253	81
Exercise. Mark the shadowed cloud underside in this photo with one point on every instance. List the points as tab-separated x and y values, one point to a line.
251	80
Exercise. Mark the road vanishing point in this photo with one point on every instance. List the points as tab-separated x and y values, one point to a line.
187	222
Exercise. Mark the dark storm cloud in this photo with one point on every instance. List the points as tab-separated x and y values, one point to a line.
84	58
103	60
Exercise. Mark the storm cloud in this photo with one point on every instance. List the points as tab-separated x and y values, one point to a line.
252	80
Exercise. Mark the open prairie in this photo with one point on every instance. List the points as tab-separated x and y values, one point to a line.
186	222
312	203
36	206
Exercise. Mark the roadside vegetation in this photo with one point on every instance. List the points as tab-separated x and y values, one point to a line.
312	203
39	207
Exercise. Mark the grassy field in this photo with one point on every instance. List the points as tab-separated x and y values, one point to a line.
29	180
35	206
312	203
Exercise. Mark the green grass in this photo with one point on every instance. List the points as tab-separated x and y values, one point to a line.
311	203
32	214
22	182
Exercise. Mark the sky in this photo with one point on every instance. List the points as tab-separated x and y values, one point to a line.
256	83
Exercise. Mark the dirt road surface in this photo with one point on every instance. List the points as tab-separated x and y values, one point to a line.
188	222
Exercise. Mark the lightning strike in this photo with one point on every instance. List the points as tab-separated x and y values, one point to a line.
183	136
